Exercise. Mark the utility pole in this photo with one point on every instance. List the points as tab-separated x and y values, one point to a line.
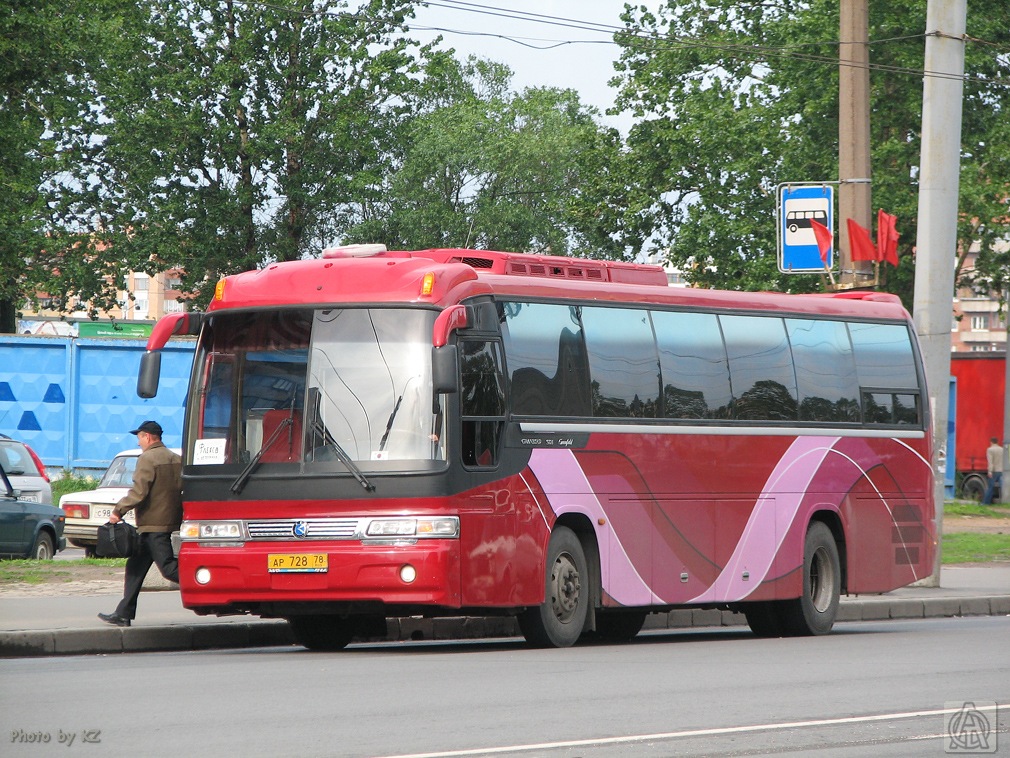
853	139
936	245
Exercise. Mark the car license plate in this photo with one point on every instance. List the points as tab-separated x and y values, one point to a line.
292	563
98	512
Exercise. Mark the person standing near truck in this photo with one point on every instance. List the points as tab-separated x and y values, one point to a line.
994	467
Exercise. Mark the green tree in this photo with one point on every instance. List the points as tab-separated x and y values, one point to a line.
482	166
226	135
46	47
734	98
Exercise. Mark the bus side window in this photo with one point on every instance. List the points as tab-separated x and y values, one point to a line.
482	401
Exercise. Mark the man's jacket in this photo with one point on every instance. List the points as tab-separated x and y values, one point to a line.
156	493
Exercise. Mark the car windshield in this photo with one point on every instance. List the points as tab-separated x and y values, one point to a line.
120	472
342	388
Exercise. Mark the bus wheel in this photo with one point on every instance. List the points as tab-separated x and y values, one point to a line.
559	621
764	619
323	632
814	612
619	626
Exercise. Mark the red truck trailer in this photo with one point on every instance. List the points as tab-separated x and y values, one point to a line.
979	416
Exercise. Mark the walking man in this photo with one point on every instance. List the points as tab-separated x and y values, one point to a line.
157	496
994	462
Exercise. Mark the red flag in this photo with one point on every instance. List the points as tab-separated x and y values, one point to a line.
860	244
825	239
887	237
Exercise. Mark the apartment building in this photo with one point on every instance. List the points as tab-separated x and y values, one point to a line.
978	323
143	300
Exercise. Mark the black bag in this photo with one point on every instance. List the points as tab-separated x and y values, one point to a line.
119	540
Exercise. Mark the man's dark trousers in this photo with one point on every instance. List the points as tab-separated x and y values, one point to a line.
155	547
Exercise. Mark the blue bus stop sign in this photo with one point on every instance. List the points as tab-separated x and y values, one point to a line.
799	204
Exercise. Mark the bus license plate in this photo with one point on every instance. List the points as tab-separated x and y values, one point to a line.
292	563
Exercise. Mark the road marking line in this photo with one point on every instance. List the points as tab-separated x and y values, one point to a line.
690	733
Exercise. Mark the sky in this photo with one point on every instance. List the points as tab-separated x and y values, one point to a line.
555	43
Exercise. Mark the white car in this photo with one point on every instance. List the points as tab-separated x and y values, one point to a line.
88	510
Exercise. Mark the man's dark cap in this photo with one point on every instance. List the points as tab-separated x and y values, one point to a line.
151	427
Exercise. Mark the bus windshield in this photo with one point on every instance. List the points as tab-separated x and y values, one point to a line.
330	388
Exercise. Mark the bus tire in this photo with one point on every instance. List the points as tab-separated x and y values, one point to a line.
619	626
560	620
325	633
813	613
765	618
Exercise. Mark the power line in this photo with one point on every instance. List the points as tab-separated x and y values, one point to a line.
640	39
739	51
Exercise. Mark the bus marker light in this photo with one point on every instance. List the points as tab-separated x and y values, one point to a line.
203	575
438	527
601	521
219	290
408	573
428	283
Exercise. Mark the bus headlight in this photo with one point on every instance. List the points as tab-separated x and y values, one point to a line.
403	527
210	530
445	527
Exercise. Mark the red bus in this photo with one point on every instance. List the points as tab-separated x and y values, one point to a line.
376	434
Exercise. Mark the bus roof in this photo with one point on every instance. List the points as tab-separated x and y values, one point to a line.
454	275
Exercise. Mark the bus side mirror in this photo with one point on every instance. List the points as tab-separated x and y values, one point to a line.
150	373
444	374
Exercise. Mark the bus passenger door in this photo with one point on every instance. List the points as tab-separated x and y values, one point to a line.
488	525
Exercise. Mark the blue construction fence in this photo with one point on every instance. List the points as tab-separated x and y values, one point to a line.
74	400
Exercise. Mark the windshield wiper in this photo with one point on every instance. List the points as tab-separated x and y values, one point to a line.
344	458
240	481
324	434
389	424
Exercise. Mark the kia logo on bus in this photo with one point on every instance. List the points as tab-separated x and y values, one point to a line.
300	529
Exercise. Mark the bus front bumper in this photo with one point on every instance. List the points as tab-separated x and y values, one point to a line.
257	576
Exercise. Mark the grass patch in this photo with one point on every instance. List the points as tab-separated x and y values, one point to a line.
971	508
31	572
70	483
966	547
24	571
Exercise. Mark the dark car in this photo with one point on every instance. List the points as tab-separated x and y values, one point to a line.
28	529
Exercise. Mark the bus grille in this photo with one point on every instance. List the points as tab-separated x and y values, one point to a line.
315	529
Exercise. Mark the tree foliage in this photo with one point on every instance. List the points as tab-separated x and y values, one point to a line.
483	166
216	136
212	135
46	46
733	98
234	133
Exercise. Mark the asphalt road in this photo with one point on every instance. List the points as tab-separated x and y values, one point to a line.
866	689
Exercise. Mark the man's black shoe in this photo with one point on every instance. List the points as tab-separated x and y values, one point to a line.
114	618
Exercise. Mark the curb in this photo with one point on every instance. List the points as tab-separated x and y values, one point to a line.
272	633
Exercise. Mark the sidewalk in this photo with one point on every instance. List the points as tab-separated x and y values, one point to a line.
67	625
